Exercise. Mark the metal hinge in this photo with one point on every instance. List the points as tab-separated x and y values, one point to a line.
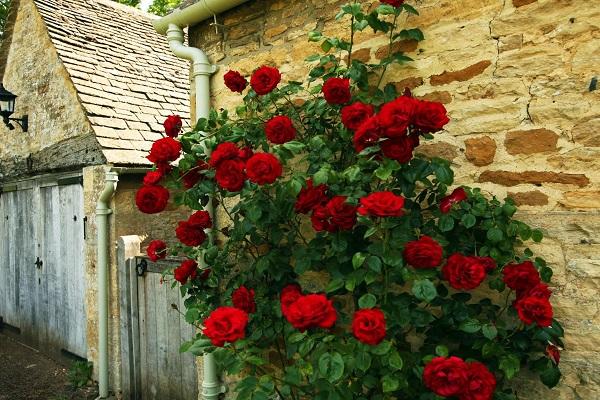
141	267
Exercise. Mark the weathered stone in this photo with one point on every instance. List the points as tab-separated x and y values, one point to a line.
461	75
530	141
521	3
583	159
410	83
480	151
532	198
277	30
587	132
443	97
405	46
443	150
590	200
508	178
363	55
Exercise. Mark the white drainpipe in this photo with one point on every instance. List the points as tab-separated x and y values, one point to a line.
102	213
202	69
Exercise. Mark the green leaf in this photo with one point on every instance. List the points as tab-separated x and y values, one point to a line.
374	264
294	146
358	259
424	289
546	274
468	220
367	301
331	366
382	348
495	235
441	351
489	331
334	285
389	383
363	361
470	326
446	223
296	337
537	235
395	361
200	346
410	9
510	365
386	9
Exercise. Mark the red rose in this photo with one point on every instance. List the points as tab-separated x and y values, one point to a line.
204	274
535	309
399	149
164	150
310	197
336	215
445	376
224	151
311	311
225	324
189	234
488	263
337	90
480	384
152	177
265	79
289	295
263	168
230	175
157	250
173	125
430	116
368	326
540	290
280	129
368	134
187	270
521	277
245	153
163	168
235	81
393	3
459	194
151	199
553	353
423	253
382	204
244	299
355	114
200	219
463	273
194	175
396	115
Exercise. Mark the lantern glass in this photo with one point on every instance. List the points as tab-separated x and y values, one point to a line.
7	102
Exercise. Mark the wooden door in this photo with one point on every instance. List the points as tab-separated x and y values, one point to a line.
42	263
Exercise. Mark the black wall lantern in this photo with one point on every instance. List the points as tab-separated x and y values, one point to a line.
7	108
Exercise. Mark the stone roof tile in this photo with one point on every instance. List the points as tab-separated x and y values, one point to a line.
123	70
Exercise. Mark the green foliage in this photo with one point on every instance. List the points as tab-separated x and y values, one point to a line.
4	7
80	373
268	245
163	7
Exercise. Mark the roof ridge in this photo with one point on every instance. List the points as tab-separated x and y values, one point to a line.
125	7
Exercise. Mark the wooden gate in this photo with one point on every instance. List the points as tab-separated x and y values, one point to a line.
42	263
152	331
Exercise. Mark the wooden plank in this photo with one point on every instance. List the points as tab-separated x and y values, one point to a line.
25	258
189	375
135	332
13	317
173	343
127	371
143	334
162	333
4	256
151	349
52	270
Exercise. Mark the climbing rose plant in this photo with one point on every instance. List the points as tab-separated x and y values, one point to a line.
344	267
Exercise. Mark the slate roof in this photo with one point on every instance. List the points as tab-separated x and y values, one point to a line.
126	77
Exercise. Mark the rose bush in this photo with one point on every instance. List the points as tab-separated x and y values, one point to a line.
343	268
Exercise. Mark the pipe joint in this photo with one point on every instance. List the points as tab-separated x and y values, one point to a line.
205	69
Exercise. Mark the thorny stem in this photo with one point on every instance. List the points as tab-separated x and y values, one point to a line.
391	42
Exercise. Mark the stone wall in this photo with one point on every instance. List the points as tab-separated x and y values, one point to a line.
57	122
517	79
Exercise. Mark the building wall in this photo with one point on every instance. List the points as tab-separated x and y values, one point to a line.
59	136
517	79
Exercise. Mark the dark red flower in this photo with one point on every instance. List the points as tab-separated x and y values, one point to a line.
311	311
355	114
488	262
187	270
336	215
191	177
244	299
535	309
152	177
337	90
190	234
445	376
521	277
289	295
157	250
173	125
553	352
224	151
225	325
399	149
462	272
263	168
164	150
245	153
151	199
310	197
230	175
480	384
429	117
280	129
393	3
163	168
368	134
396	116
540	290
265	79
235	81
423	253
459	194
200	219
368	326
382	204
